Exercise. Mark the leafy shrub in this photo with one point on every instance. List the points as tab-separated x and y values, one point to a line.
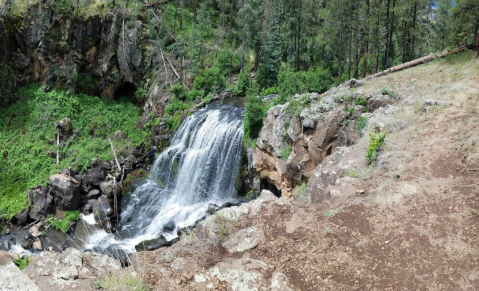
361	101
243	83
180	92
389	92
27	147
296	106
362	123
254	113
314	80
285	153
211	81
64	224
173	122
269	91
375	143
22	263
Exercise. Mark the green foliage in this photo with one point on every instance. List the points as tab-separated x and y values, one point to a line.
210	81
174	122
243	83
140	91
389	92
296	106
362	123
375	143
255	111
361	101
22	263
314	80
285	152
179	91
269	91
122	281
28	145
6	85
299	190
64	224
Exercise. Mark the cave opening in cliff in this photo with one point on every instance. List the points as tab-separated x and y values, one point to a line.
265	184
127	90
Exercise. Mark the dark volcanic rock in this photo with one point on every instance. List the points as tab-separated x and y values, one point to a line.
66	191
96	176
153	244
40	203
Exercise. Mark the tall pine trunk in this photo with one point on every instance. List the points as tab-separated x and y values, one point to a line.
386	51
340	43
413	31
366	40
390	48
356	46
350	39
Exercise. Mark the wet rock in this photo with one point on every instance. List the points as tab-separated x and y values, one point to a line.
102	209
40	203
212	208
244	239
22	218
37	245
107	188
12	278
170	226
27	244
34	231
6	245
153	244
7	257
118	254
66	192
96	175
93	194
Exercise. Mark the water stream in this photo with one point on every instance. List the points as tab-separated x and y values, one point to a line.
199	167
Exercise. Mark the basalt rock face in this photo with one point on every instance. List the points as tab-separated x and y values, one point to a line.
297	136
73	53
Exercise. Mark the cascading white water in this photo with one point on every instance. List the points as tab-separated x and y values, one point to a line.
200	167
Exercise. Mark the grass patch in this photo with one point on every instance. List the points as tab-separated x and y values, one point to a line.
22	263
28	142
64	224
358	173
331	212
362	123
122	281
284	154
299	190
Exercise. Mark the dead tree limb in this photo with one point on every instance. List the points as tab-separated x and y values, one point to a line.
114	154
164	64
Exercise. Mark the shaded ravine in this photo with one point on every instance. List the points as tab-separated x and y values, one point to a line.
199	167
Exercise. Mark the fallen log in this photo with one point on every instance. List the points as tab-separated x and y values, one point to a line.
422	60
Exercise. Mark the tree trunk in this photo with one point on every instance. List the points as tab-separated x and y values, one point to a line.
340	43
181	16
386	51
390	48
413	31
196	11
366	40
176	13
356	46
350	39
376	42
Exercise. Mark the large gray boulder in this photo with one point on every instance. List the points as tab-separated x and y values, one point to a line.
66	191
244	239
40	203
102	209
11	278
95	176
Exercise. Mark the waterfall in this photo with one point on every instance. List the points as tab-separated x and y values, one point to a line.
199	167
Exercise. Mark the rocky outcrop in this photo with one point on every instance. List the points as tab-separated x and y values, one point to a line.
7	257
297	136
11	278
244	239
40	203
65	191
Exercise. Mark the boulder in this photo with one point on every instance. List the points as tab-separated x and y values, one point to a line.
34	231
6	245
93	194
7	257
102	209
40	203
244	239
65	126
378	102
118	254
66	191
22	218
120	135
11	278
153	244
107	188
241	274
95	176
102	264
169	226
37	245
27	244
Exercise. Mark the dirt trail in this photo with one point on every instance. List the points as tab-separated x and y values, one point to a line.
415	228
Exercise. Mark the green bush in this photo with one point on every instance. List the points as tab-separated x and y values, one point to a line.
254	113
243	83
285	153
180	92
361	101
362	123
64	224
22	263
28	148
211	81
375	143
174	122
